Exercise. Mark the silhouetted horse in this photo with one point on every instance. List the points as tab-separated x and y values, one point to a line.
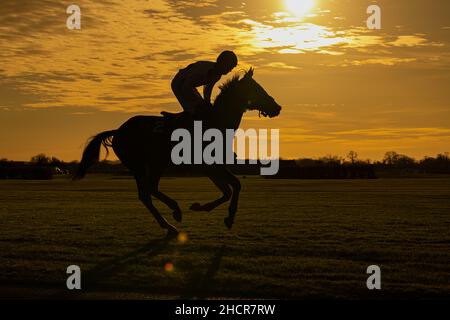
145	149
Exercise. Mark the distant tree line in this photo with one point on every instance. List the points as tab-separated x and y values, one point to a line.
394	161
351	167
41	166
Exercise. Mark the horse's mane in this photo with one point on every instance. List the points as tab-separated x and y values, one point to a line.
226	89
229	84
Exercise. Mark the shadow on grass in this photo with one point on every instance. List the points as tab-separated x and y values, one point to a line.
200	284
92	279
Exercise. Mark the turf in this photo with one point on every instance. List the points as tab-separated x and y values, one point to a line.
292	239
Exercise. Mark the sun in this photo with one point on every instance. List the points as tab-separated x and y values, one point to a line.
299	7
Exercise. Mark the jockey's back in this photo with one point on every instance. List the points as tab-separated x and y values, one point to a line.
197	74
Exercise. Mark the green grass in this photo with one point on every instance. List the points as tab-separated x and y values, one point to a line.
291	239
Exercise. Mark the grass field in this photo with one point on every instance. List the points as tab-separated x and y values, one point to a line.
291	239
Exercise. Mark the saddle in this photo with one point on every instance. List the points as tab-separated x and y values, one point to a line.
182	119
172	121
171	115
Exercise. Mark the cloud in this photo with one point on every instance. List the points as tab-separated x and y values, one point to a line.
395	133
408	41
280	65
123	59
383	61
144	46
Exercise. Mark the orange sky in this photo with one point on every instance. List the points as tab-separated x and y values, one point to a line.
342	87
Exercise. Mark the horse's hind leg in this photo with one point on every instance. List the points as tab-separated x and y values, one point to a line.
223	186
145	188
235	184
172	204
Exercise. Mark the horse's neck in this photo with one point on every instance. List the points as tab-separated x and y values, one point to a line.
228	112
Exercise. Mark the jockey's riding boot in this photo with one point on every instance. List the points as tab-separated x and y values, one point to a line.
203	113
175	120
182	120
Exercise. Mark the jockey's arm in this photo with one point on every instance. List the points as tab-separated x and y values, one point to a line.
208	88
207	91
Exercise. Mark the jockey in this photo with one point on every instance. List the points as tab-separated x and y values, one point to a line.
201	73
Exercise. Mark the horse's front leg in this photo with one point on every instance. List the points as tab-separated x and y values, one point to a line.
172	204
235	184
223	179
223	186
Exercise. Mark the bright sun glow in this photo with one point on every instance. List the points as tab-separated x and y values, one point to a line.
299	7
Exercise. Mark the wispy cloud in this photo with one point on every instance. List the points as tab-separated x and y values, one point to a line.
384	61
395	133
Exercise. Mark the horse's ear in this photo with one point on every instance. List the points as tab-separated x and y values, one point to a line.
249	73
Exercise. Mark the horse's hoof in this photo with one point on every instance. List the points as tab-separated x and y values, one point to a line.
228	222
196	206
172	232
177	215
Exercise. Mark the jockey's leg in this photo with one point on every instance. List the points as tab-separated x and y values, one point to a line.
190	98
177	89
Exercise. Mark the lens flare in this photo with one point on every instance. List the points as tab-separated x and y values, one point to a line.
182	237
169	267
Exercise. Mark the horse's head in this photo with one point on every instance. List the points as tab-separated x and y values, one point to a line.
257	98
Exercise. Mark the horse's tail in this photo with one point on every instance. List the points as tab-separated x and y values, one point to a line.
91	153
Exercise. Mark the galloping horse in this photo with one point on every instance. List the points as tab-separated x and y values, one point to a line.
146	151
